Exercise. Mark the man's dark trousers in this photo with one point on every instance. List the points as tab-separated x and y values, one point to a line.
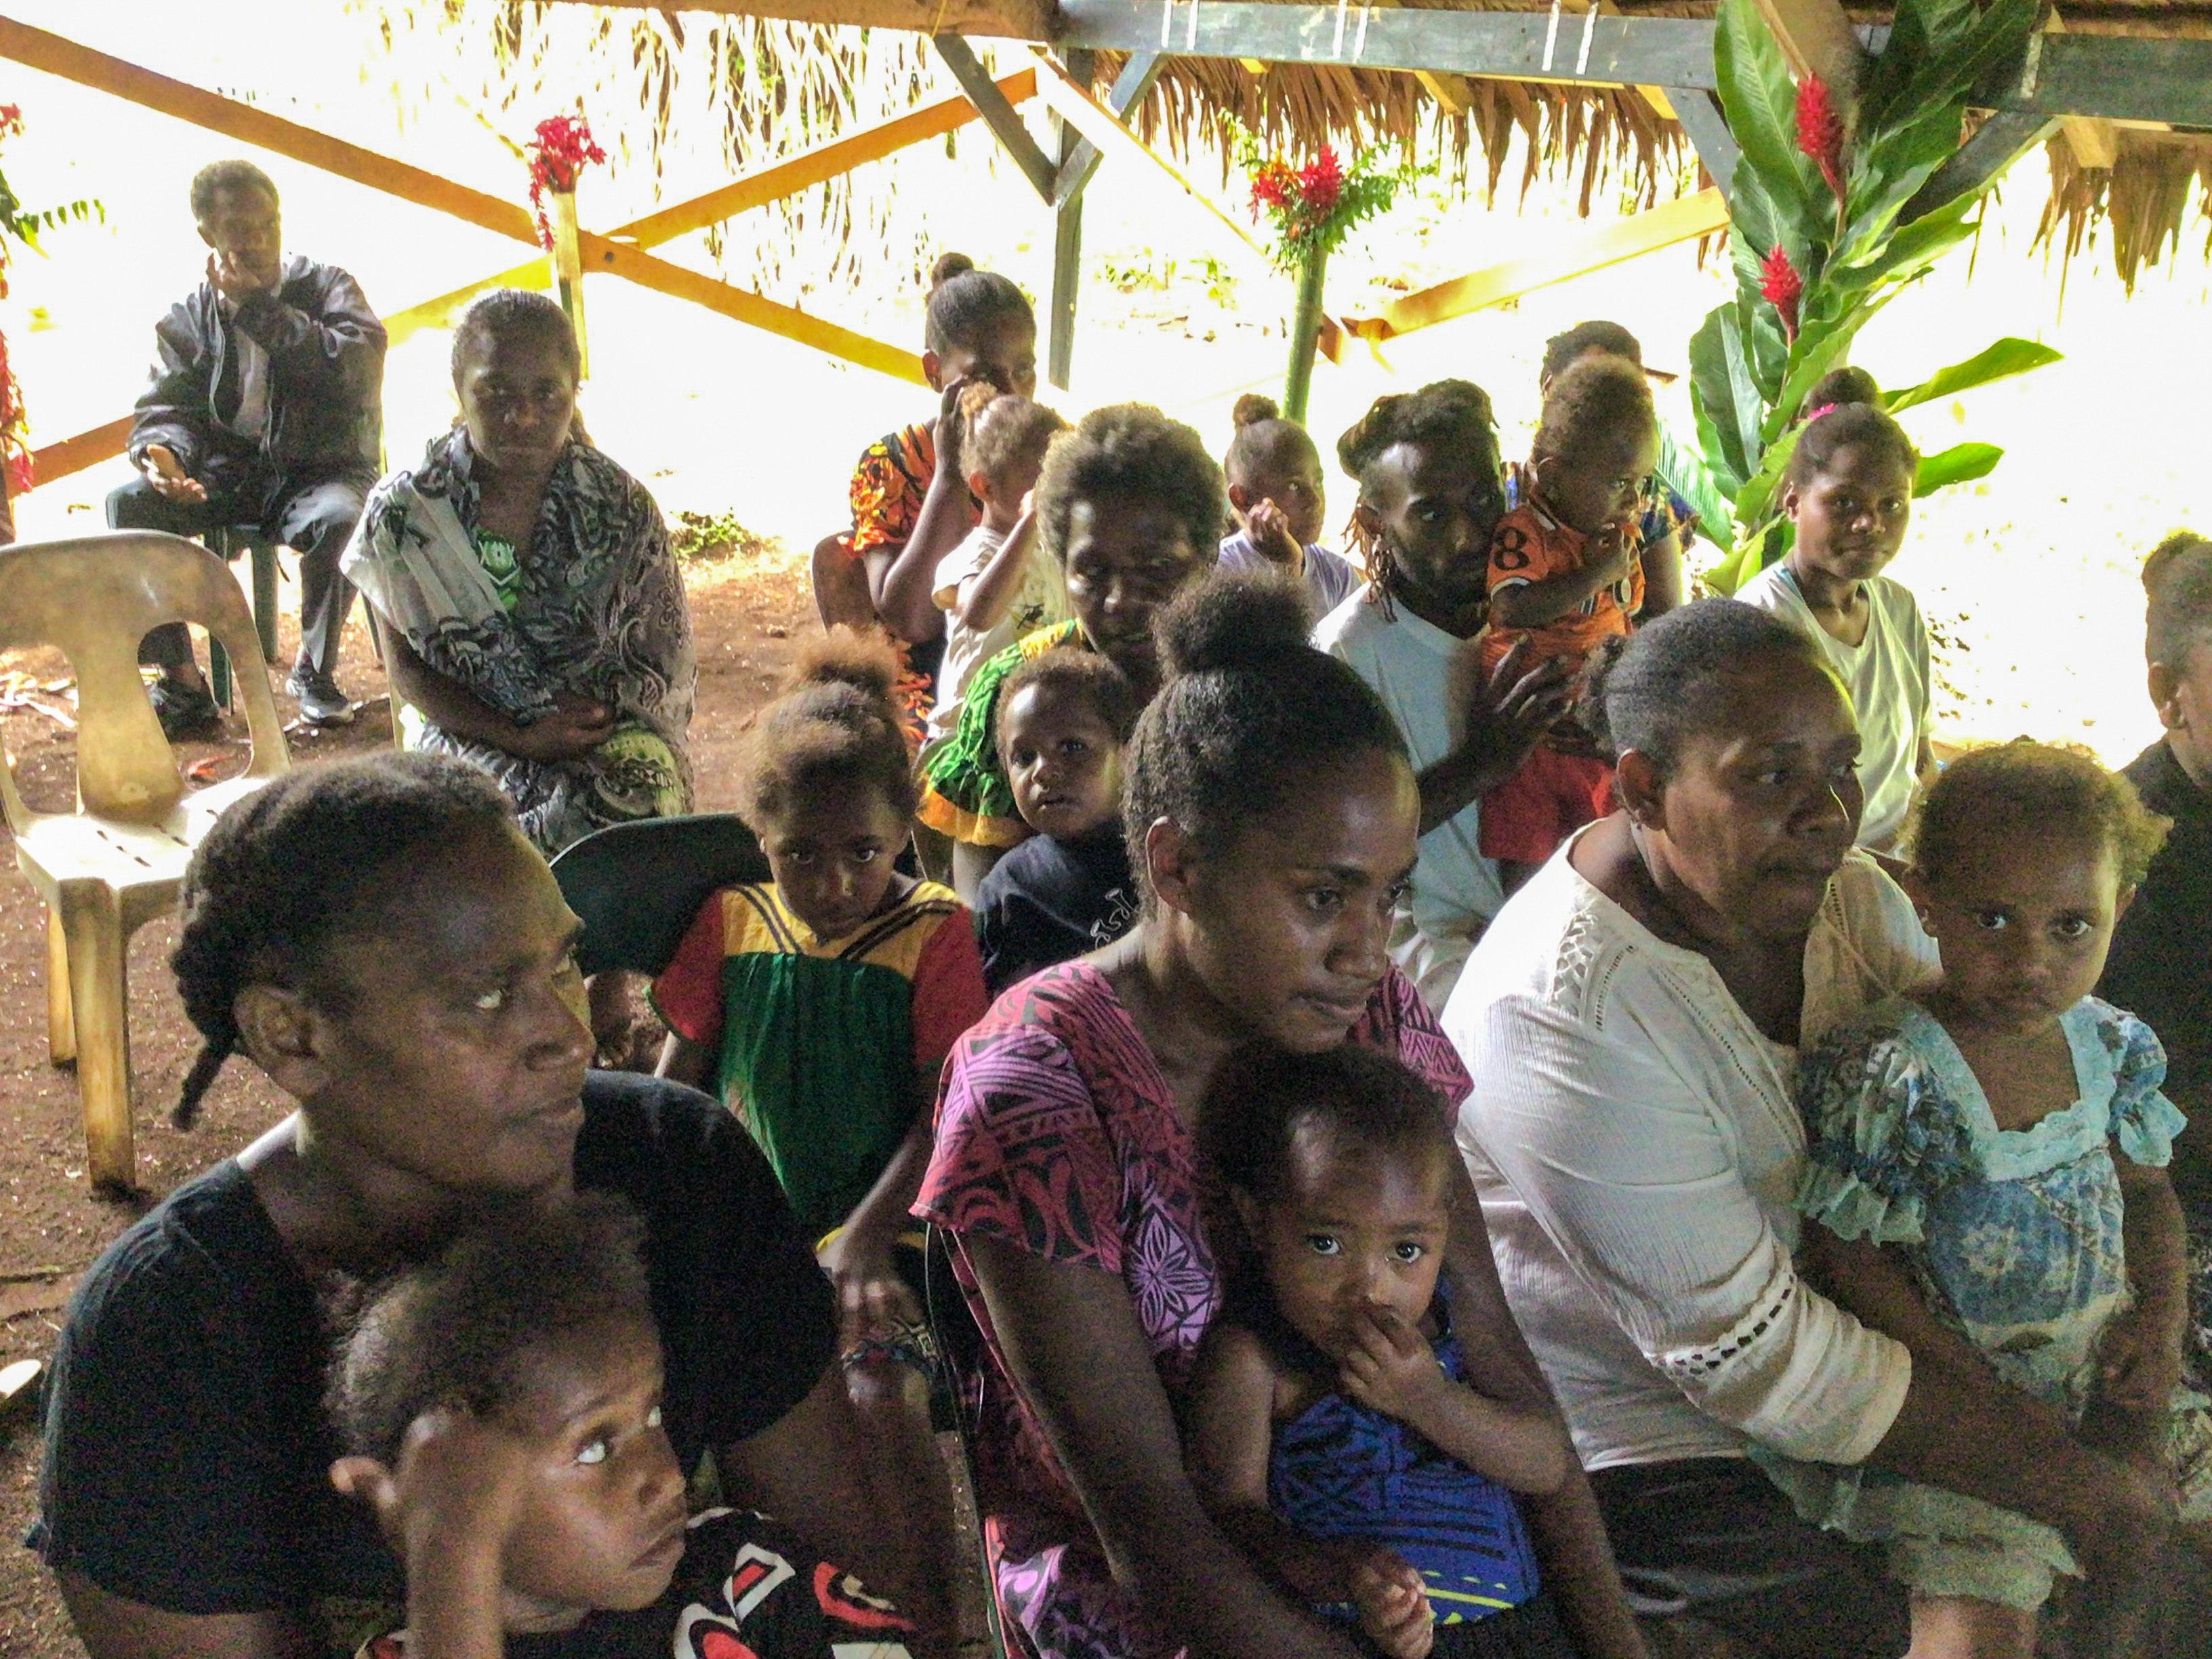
313	518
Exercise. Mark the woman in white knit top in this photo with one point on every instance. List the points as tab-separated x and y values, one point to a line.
1631	1020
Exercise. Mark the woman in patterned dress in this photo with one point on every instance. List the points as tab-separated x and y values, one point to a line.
1273	813
531	609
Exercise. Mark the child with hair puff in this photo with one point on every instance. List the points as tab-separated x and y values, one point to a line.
1986	1181
499	1411
820	1005
999	584
1565	575
1280	499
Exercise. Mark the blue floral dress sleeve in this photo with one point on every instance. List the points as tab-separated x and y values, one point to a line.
2144	1121
1882	1135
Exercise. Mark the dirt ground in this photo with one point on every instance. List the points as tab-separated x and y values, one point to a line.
746	615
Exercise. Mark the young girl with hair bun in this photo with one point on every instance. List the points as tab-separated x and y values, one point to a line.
1280	498
909	493
1270	813
1986	1180
819	1004
1848	493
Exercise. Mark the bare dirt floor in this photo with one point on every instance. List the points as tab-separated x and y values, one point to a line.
746	614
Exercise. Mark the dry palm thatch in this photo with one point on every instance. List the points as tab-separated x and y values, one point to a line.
2142	200
696	96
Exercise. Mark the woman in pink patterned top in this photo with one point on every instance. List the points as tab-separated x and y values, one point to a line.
1274	814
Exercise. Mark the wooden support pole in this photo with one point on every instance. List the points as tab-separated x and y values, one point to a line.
1681	221
1105	131
998	114
1139	76
1699	113
1067	243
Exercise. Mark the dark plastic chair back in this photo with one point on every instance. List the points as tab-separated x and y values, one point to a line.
637	887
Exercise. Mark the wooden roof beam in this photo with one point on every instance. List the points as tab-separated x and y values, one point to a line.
1818	39
997	114
999	20
2116	77
1571	256
1075	105
763	185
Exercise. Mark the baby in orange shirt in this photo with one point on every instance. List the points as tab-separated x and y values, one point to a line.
1565	575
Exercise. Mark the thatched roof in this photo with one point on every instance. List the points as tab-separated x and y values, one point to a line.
766	87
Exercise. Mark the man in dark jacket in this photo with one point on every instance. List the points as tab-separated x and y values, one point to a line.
264	409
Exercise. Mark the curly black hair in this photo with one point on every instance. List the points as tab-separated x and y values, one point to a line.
287	870
1582	338
461	1332
1990	795
1007	434
1673	679
1848	426
1260	1099
1249	711
235	176
836	721
1083	675
1442	412
965	304
507	313
1593	399
1131	453
2177	581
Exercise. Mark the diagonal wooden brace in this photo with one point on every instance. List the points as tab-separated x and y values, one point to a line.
998	114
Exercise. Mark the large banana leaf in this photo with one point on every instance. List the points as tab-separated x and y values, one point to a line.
1760	102
2007	357
1961	463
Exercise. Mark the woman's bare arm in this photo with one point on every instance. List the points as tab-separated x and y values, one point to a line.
570	732
1565	1526
985	598
1071	1341
113	1627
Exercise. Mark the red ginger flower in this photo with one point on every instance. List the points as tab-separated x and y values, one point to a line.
1821	131
1271	183
558	153
1780	287
1321	181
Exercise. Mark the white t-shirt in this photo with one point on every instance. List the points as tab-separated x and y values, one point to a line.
1636	1142
1892	687
1041	601
1455	890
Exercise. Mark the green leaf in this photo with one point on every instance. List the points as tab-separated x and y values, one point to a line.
1915	26
1757	495
1961	463
1760	102
1713	400
1745	393
1957	62
2001	361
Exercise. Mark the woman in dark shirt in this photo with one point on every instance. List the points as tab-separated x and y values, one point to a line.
380	939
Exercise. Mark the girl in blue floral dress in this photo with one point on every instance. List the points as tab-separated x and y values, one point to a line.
1986	1174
